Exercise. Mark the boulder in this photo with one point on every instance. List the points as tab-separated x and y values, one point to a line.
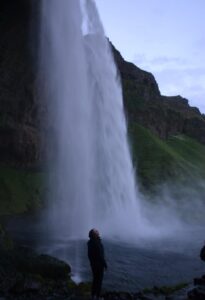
23	272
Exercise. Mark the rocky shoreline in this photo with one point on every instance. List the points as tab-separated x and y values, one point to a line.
25	274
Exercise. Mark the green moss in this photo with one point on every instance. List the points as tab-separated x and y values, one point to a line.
71	284
179	158
83	289
20	190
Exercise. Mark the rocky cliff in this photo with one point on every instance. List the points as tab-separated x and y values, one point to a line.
164	116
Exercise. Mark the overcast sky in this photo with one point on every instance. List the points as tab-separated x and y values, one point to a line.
165	37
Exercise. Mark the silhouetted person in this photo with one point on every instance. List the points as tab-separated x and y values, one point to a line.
97	261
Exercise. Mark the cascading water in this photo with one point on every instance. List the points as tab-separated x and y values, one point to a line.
92	179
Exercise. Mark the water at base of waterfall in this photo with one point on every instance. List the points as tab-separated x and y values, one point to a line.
131	266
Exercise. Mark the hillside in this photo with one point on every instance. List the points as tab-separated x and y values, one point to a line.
179	159
167	135
164	116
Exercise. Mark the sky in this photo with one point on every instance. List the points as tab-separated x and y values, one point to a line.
164	37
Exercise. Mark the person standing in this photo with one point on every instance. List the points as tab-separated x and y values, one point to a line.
97	262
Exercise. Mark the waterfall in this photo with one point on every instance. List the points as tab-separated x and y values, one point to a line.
92	182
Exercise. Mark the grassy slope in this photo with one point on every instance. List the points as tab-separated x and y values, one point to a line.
20	190
179	158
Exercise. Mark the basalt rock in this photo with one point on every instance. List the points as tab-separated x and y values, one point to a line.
19	144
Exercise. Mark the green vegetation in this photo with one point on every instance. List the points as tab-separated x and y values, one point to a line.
83	289
178	158
20	190
191	151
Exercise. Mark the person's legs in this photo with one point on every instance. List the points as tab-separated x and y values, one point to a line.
94	282
97	281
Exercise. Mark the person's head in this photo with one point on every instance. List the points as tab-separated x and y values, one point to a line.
94	234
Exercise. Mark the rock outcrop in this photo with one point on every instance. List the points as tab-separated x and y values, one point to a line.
19	133
26	275
164	116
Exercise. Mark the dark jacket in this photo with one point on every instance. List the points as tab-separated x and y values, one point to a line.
96	253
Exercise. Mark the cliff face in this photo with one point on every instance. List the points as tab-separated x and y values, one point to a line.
19	134
164	116
19	107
